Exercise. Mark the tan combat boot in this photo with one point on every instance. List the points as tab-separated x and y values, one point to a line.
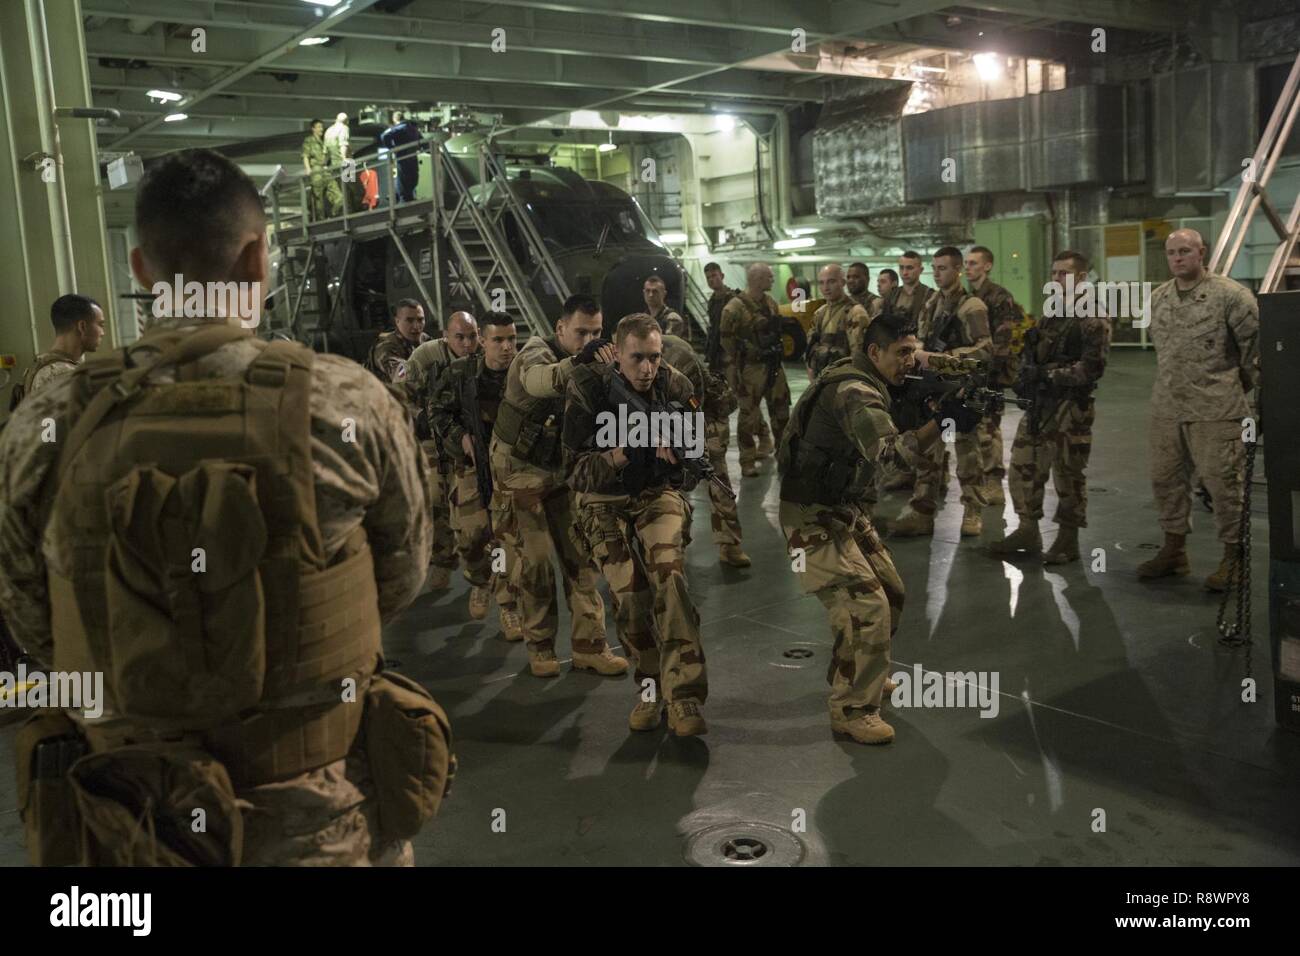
478	603
439	578
1222	576
732	554
543	663
1065	548
766	446
993	490
1171	559
912	524
1026	539
512	626
972	523
685	719
866	727
646	715
604	663
749	469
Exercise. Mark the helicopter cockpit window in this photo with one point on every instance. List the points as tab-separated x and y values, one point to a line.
569	225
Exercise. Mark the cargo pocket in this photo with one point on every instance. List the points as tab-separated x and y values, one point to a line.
47	745
409	749
185	601
157	806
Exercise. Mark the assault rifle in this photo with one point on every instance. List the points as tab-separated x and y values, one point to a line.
1032	384
965	379
471	417
698	469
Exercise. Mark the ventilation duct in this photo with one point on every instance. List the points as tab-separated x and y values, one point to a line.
1204	125
858	154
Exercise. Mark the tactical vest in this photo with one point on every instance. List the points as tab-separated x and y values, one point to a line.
22	390
188	564
532	427
1064	346
946	331
713	354
824	467
915	307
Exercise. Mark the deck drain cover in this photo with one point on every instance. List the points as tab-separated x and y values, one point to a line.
744	844
797	653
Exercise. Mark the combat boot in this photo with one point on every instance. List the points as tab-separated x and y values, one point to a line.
911	525
646	715
543	663
685	719
866	727
898	481
512	626
749	469
1171	559
1026	539
766	446
972	523
1222	576
992	491
1065	548
732	554
604	663
478	603
891	685
439	578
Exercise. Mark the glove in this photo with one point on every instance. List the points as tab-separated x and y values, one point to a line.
965	419
588	353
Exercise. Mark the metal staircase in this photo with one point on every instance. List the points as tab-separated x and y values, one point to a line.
697	309
1252	195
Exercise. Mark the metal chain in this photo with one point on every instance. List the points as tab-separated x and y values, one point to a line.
1238	634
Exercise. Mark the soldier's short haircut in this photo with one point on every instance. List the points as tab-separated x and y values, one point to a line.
579	303
1078	261
985	251
314	122
406	304
860	265
638	325
498	318
891	273
887	328
712	267
911	254
656	277
192	212
70	309
951	252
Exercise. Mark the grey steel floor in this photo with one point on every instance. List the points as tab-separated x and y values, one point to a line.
1114	696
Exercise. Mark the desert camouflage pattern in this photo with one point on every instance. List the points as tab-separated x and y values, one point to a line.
973	340
1003	316
1207	347
829	332
871	302
670	321
747	327
375	482
54	365
475	539
389	355
424	371
1214	451
903	300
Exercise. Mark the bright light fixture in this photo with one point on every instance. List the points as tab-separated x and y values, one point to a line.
313	41
323	3
607	147
673	238
163	96
804	230
988	65
175	117
800	243
725	121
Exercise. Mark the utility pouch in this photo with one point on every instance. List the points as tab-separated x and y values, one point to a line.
408	746
186	612
47	746
529	435
157	805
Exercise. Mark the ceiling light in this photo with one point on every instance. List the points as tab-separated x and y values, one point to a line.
314	41
175	117
608	147
323	3
673	238
725	121
801	243
804	230
988	65
163	96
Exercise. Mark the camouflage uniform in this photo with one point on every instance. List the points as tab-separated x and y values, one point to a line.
910	302
828	339
959	322
638	541
424	371
869	301
389	354
375	482
336	153
749	328
1072	352
323	192
474	538
49	367
1003	316
532	507
718	403
1207	343
839	434
670	321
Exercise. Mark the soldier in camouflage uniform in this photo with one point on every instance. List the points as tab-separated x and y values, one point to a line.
390	350
323	192
1206	332
636	521
719	296
1055	435
717	402
1003	316
886	283
908	298
857	284
655	293
368	489
828	338
476	382
751	340
955	322
532	507
424	369
839	433
78	328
